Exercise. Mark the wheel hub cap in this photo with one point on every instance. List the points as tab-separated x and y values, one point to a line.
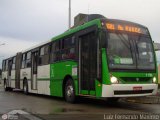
69	91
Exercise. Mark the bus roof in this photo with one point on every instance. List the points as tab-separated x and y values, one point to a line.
68	32
40	44
79	28
91	23
125	21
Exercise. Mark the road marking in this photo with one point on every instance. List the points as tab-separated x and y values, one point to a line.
24	114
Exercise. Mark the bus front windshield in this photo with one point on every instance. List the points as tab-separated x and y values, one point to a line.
130	51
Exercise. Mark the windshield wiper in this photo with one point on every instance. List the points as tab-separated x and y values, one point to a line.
124	40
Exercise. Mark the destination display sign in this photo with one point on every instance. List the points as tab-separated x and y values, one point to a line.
126	27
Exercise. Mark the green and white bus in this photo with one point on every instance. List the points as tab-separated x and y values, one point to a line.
101	57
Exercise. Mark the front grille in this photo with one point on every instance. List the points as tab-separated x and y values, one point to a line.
127	92
136	79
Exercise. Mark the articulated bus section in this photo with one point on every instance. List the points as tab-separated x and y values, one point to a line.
102	58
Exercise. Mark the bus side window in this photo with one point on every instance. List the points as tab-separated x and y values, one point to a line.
23	60
28	60
72	48
13	64
4	65
55	51
68	48
44	55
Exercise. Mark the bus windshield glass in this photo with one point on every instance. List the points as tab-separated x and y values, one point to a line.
130	51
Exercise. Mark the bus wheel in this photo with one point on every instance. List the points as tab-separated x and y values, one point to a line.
25	87
69	91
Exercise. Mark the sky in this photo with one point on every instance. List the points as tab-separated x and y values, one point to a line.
25	23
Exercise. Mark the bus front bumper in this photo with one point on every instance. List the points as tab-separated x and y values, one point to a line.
129	90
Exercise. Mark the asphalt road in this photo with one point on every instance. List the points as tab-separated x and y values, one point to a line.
53	108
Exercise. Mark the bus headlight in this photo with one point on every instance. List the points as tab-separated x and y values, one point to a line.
114	80
154	80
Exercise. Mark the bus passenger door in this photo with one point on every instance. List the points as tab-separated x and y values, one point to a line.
34	70
87	63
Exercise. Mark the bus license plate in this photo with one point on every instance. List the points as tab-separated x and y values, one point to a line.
137	88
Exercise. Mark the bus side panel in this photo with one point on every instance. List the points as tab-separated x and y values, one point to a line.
98	89
25	73
58	71
43	78
105	71
4	75
105	75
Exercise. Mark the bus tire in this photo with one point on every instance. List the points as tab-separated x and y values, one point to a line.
70	91
25	87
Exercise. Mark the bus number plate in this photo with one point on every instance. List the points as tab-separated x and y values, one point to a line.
137	88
